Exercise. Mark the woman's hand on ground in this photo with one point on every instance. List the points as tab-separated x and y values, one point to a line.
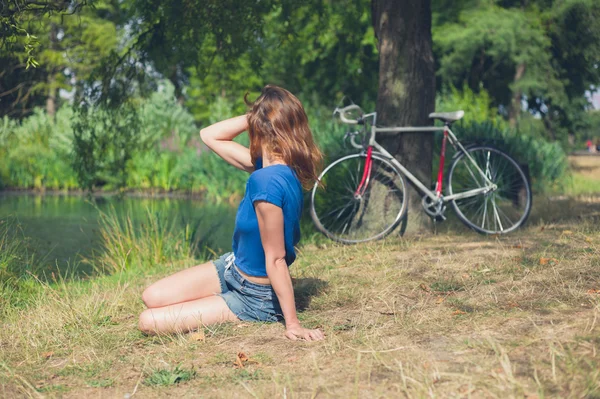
298	332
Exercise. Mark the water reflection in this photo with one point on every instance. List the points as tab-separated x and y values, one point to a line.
60	227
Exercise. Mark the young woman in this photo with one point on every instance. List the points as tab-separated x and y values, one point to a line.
252	282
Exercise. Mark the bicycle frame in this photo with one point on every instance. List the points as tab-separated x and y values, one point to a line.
435	195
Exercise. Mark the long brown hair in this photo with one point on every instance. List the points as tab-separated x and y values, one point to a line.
277	122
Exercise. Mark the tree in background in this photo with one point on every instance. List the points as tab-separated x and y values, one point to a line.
321	51
406	93
115	52
71	41
544	53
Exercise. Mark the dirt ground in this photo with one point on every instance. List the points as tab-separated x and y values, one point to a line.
448	315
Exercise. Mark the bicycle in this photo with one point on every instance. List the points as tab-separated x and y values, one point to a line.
361	197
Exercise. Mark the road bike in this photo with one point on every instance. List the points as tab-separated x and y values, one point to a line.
362	197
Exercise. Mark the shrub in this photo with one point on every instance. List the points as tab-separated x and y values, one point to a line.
547	161
37	151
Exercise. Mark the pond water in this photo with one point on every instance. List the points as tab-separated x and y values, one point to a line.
60	228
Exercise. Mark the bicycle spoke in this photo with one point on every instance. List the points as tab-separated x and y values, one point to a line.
497	210
372	214
497	218
485	201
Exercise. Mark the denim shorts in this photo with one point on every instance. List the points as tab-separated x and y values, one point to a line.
247	300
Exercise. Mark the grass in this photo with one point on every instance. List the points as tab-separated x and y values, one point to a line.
166	377
585	179
453	314
125	244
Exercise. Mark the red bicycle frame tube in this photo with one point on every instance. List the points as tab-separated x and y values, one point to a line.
364	182
438	186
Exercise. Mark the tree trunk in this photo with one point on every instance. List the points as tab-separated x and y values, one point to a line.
406	93
515	106
51	82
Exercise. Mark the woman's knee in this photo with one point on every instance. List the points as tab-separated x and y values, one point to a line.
152	297
146	323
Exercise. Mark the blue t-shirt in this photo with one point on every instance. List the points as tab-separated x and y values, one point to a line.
278	185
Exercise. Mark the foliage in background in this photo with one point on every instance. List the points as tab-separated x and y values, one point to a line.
323	49
547	161
104	141
544	53
72	38
153	145
36	151
476	104
591	128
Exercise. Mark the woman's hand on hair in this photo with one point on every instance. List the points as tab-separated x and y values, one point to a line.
219	138
297	332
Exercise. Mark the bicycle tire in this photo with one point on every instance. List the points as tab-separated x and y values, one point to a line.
510	202
339	183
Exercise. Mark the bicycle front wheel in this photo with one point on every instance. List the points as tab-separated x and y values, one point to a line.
349	217
492	211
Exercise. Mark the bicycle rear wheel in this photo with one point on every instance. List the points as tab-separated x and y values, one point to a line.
346	217
496	211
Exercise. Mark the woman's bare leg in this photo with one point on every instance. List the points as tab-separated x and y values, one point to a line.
187	285
186	316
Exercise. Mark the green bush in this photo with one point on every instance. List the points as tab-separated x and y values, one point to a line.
37	151
477	105
547	162
163	151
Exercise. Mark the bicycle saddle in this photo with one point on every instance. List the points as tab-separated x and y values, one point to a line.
447	116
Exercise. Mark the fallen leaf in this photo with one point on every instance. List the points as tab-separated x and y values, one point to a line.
458	312
440	300
518	246
198	336
424	287
567	232
588	239
546	261
240	359
47	355
593	291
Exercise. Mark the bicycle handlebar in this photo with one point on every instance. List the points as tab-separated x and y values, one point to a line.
342	112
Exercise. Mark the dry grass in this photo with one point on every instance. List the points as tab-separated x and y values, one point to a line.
585	178
452	315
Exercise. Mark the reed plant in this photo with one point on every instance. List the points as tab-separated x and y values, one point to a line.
16	259
126	245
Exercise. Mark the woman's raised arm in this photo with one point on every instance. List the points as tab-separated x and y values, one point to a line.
219	138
